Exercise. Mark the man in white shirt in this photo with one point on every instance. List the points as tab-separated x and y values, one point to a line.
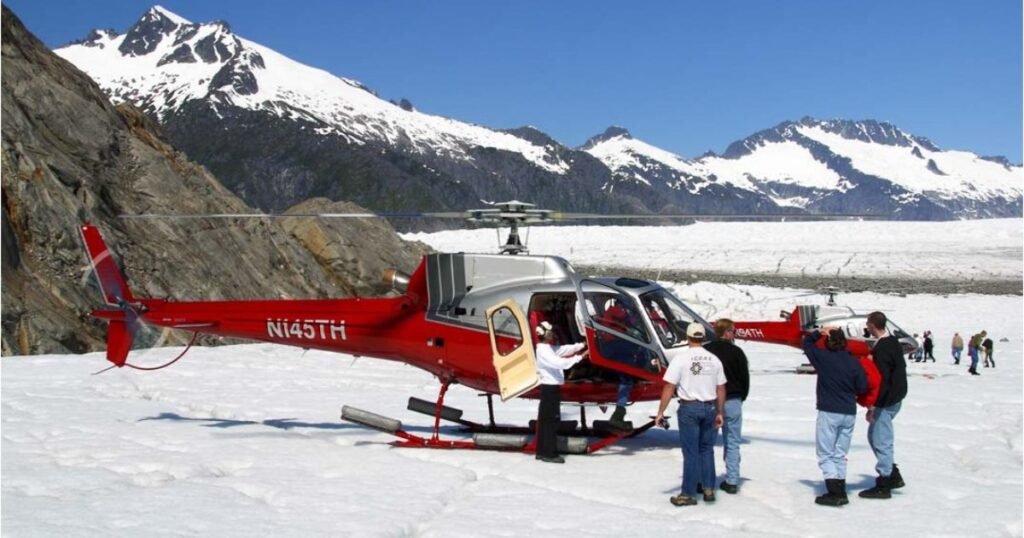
552	360
696	377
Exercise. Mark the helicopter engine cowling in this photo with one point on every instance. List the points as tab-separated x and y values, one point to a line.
398	280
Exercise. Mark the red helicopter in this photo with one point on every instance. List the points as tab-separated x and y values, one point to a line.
465	318
803	318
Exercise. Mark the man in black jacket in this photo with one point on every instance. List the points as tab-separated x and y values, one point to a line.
737	373
888	355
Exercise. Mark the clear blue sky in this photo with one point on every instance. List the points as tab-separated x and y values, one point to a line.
684	76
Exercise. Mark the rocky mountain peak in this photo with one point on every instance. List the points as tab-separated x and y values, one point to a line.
879	132
533	135
868	130
147	33
611	132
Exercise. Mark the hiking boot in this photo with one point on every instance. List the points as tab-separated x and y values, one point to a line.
709	495
896	479
551	459
731	489
618	420
880	491
682	500
836	494
841	492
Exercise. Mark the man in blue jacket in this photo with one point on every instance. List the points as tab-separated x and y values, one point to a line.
840	380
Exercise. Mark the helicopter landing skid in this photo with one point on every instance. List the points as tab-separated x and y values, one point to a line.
504	438
492	437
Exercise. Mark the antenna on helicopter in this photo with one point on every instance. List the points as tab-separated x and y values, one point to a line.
513	214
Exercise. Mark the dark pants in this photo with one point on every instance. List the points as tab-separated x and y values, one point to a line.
549	415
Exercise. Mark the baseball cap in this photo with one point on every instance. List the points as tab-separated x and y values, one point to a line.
695	330
543	328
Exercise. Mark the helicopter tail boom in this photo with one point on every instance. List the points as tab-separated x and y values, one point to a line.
789	332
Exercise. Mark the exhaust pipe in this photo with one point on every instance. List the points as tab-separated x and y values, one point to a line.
398	280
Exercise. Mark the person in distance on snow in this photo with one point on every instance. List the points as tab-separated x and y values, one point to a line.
840	379
958	347
973	348
552	360
929	345
986	345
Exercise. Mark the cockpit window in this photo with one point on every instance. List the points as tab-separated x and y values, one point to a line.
669	316
896	331
621	329
617	312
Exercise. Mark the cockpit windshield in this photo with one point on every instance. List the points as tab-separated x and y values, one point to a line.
669	316
617	312
857	328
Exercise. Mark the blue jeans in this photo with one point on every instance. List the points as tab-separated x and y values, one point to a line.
697	436
832	439
972	352
625	387
882	437
956	354
731	438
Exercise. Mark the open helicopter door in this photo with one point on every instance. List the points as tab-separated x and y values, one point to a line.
511	350
617	333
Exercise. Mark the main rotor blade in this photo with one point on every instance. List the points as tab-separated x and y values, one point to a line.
651	216
379	215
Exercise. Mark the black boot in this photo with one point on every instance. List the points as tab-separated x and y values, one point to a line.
841	492
895	479
880	491
618	420
836	495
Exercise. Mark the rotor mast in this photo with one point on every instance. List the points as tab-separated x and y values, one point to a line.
512	214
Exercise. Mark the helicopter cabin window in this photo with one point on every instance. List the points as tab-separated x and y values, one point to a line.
616	315
508	337
558	309
668	316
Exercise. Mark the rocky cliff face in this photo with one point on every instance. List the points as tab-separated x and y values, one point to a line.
69	156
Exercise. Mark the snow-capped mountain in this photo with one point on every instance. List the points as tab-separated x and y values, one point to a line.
277	132
829	166
165	61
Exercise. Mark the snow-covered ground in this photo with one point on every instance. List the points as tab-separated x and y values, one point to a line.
246	440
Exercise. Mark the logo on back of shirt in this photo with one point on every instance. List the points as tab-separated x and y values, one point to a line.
696	368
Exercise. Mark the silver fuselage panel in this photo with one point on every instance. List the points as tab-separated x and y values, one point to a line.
461	287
